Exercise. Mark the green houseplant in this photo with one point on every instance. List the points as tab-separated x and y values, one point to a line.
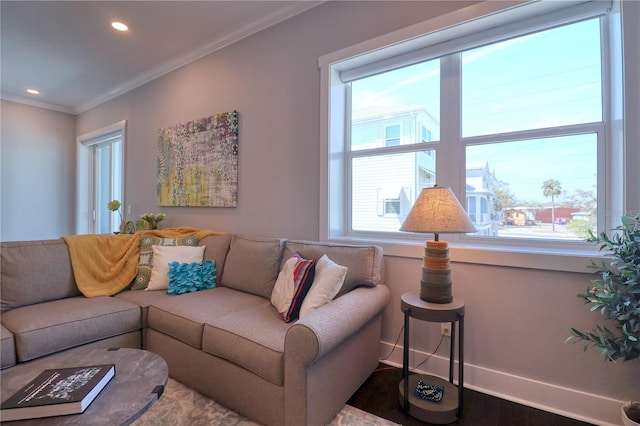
616	295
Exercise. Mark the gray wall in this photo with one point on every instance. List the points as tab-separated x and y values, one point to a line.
516	317
37	173
273	80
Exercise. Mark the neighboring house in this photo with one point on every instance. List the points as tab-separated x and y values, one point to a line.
514	217
519	216
480	198
382	201
582	215
562	215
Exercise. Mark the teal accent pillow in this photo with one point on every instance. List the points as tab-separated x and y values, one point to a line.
189	277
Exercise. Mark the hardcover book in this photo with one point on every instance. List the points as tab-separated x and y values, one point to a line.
58	392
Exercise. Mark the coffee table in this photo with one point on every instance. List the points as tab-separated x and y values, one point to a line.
139	381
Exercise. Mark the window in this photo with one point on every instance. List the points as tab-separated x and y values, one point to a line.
100	179
107	178
392	135
509	91
392	206
519	136
425	135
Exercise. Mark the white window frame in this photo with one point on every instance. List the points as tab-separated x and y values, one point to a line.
85	185
437	35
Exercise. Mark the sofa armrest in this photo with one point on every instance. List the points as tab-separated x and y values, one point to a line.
330	352
325	328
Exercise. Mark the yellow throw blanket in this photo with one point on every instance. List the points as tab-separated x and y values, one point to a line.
103	265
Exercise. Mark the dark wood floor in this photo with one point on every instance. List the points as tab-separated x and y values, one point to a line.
379	396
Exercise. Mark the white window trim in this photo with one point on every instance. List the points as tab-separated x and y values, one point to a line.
84	179
506	253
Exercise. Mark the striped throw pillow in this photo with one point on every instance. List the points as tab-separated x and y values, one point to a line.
292	285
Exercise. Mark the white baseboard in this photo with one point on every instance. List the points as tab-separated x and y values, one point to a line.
579	405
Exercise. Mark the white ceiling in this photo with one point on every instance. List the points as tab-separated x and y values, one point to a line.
68	51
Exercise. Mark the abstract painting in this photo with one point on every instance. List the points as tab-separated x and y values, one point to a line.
198	162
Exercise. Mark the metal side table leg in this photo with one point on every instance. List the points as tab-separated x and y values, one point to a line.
405	360
460	363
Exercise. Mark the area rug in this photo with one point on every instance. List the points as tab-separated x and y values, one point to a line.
183	406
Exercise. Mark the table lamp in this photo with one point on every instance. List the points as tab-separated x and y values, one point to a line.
437	211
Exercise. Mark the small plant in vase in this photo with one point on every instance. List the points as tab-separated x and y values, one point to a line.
616	295
114	206
152	219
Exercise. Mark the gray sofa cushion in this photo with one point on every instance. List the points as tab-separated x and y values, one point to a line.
252	338
35	272
45	328
7	348
216	249
364	262
252	265
143	298
183	317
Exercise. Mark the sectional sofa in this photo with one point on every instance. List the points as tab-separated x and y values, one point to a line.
228	342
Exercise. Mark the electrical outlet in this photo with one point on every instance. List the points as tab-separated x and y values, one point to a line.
445	329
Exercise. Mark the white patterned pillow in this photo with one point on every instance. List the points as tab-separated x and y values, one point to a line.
145	261
163	255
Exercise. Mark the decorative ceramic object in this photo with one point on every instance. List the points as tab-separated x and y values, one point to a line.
631	413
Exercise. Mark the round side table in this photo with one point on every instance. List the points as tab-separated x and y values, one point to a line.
449	409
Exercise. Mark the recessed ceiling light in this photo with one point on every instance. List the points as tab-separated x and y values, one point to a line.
33	91
119	26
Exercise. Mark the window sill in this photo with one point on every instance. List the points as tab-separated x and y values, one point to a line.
482	254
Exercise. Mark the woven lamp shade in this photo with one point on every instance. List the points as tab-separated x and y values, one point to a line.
437	211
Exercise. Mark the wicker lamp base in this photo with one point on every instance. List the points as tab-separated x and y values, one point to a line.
435	285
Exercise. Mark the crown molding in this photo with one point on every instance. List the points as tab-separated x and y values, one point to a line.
240	33
39	104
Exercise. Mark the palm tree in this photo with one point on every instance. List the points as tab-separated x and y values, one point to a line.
551	187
